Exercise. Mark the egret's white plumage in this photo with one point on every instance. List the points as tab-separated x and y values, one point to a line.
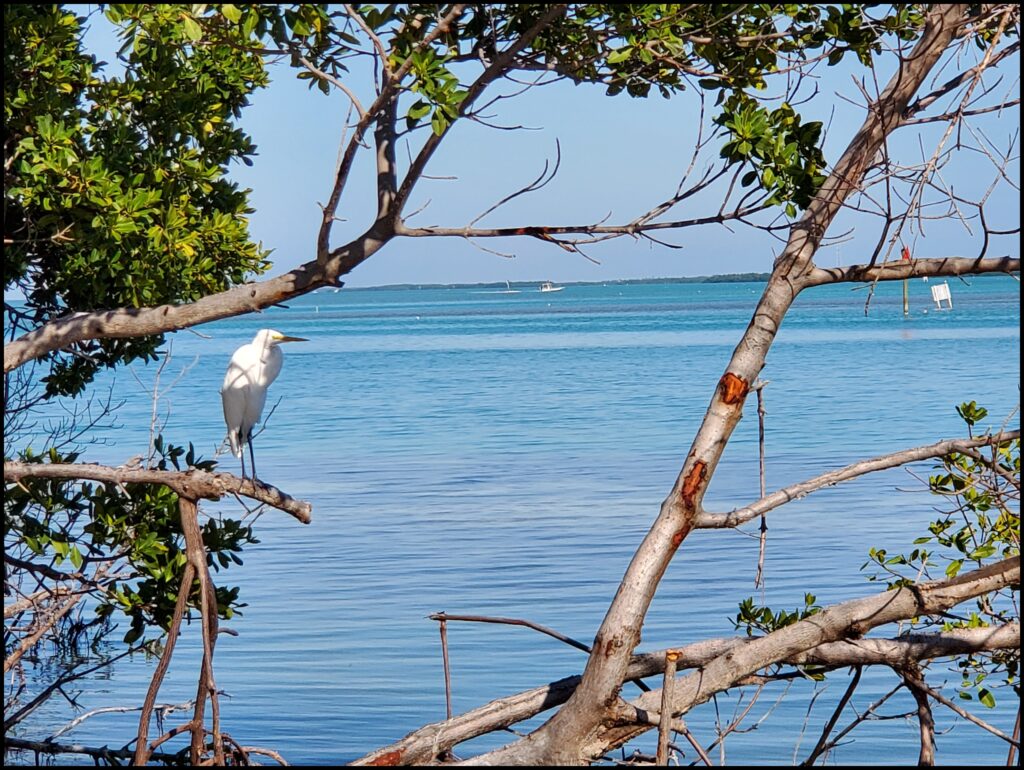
244	392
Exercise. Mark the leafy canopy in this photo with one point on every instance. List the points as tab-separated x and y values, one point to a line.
115	188
116	192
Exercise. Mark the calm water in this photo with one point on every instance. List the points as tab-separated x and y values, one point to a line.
478	452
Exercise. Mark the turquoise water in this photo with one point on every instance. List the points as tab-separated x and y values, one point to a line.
477	452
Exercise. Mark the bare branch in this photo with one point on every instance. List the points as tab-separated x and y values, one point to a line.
193	484
911	675
444	616
328	78
962	113
494	70
543	179
919	684
928	99
382	53
44	695
831	723
636	227
868	713
53	617
97	752
708	520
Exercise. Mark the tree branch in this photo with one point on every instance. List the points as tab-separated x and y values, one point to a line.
545	232
97	752
847	619
423	745
53	617
325	270
919	684
494	70
911	675
707	520
927	100
913	268
193	484
831	723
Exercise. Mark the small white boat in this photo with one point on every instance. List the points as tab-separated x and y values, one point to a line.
548	286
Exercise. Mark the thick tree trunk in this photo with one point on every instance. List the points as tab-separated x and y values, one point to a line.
565	737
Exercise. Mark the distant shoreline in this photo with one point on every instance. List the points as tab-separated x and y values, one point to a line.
726	278
533	285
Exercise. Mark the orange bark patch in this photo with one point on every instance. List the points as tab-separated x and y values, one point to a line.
734	389
692	483
390	759
677	538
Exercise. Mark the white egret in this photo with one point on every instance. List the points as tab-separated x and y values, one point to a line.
252	368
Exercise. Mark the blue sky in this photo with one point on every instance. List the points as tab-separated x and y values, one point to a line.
620	156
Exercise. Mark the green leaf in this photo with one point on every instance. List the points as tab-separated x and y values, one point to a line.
419	110
192	29
619	55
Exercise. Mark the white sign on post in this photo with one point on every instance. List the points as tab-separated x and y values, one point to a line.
940	293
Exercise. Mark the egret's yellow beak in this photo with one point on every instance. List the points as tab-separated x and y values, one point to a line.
286	338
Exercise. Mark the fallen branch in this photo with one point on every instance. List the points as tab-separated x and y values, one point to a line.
423	745
97	752
848	619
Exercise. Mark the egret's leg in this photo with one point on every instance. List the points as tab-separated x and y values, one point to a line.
242	457
252	457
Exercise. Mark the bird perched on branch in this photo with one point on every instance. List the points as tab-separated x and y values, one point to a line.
244	392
